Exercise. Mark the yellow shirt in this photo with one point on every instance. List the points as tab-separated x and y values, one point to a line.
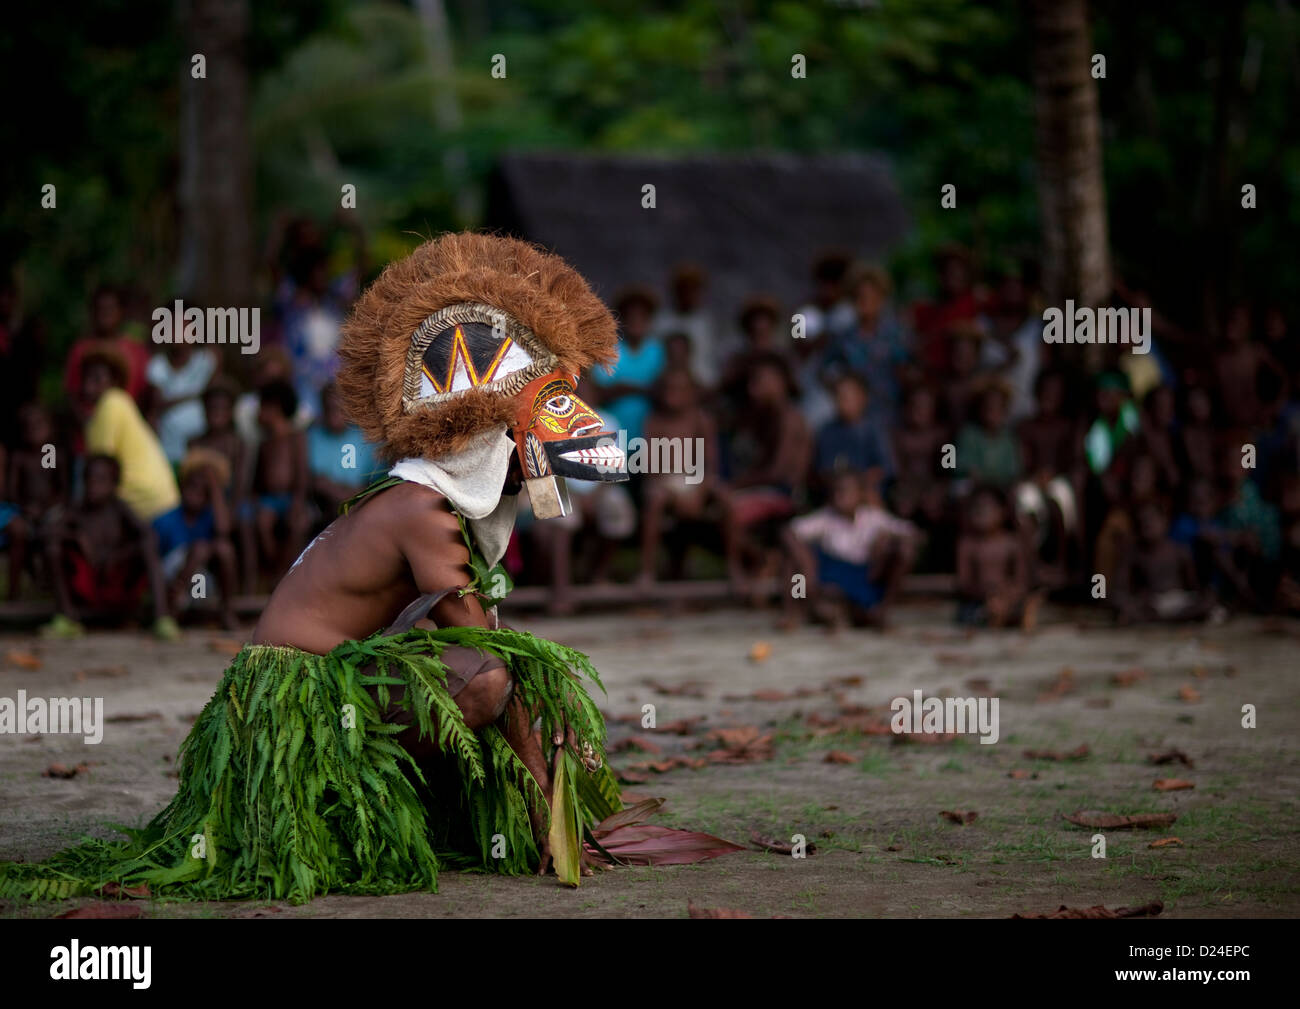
116	428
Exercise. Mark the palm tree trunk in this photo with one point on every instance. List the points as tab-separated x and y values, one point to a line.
1071	189
216	240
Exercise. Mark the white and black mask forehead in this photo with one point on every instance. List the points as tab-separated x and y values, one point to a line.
471	346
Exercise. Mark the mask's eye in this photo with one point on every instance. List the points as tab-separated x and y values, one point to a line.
559	404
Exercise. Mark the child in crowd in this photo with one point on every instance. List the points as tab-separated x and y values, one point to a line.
102	557
177	378
36	488
220	435
339	459
274	522
107	332
681	432
1161	582
855	439
195	535
852	552
1048	500
992	574
625	387
1198	438
116	428
771	452
920	490
987	451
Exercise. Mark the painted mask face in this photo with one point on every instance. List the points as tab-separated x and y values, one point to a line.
560	435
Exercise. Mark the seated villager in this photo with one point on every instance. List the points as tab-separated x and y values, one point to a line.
381	722
103	558
852	553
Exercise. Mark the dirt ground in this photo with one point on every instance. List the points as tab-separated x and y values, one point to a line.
882	847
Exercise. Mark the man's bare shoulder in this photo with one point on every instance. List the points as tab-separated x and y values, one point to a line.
409	507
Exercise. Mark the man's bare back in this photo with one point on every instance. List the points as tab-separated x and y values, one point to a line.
366	567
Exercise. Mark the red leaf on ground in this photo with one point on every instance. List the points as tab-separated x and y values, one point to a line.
63	771
1114	821
646	844
839	757
1098	911
691	688
779	847
637	813
962	816
118	890
1172	784
770	695
929	738
742	745
680	727
1128	677
1020	774
636	743
1059	687
1189	694
103	671
1169	757
760	652
714	912
104	909
1078	753
1167	842
23	659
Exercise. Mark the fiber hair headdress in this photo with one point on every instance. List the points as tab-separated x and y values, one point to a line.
438	348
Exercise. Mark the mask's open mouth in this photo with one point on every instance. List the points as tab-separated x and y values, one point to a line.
588	458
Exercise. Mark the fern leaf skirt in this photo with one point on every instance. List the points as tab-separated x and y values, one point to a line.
292	784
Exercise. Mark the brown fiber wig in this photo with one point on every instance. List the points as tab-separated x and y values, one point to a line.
542	297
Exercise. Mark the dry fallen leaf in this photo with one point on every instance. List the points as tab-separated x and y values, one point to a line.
761	651
105	909
647	844
102	671
691	688
1098	911
962	816
1167	842
1078	753
1020	774
635	743
714	912
1169	756
1172	784
839	757
1189	694
769	695
1062	685
63	771
1128	677
23	660
779	847
1114	821
118	890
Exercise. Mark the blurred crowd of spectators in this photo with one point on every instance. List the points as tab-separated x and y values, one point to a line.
846	441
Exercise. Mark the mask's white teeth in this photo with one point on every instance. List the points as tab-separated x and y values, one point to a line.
598	455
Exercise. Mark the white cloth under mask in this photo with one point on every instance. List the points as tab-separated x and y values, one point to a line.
472	480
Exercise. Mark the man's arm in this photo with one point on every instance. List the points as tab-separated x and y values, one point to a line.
430	539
